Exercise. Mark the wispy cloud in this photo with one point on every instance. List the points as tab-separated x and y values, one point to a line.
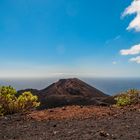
117	37
114	62
113	39
132	51
134	8
135	59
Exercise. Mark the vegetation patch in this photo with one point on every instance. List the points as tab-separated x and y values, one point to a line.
129	97
10	103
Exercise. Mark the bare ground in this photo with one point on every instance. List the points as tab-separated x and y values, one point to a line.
74	123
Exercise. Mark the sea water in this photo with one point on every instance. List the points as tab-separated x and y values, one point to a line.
109	86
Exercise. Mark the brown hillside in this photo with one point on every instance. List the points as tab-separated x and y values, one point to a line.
69	92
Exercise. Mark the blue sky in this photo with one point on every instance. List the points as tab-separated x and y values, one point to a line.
45	38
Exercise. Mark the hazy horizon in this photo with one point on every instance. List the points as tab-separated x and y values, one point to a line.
109	86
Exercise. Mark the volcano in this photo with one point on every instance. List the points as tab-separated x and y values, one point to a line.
69	92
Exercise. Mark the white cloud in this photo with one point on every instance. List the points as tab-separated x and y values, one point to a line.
132	51
134	8
135	59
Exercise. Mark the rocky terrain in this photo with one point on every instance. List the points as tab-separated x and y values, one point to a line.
74	123
70	92
73	110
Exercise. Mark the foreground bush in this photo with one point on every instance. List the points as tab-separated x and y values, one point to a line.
129	97
10	103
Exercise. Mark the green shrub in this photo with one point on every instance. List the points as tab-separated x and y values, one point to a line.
129	97
10	103
27	101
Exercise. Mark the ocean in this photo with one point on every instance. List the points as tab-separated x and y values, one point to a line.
109	86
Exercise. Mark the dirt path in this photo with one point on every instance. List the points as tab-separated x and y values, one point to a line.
74	123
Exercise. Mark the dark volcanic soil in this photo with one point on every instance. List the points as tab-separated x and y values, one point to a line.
74	123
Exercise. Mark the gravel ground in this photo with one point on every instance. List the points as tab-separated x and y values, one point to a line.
74	123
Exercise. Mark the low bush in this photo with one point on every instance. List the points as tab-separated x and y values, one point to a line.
10	103
129	97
